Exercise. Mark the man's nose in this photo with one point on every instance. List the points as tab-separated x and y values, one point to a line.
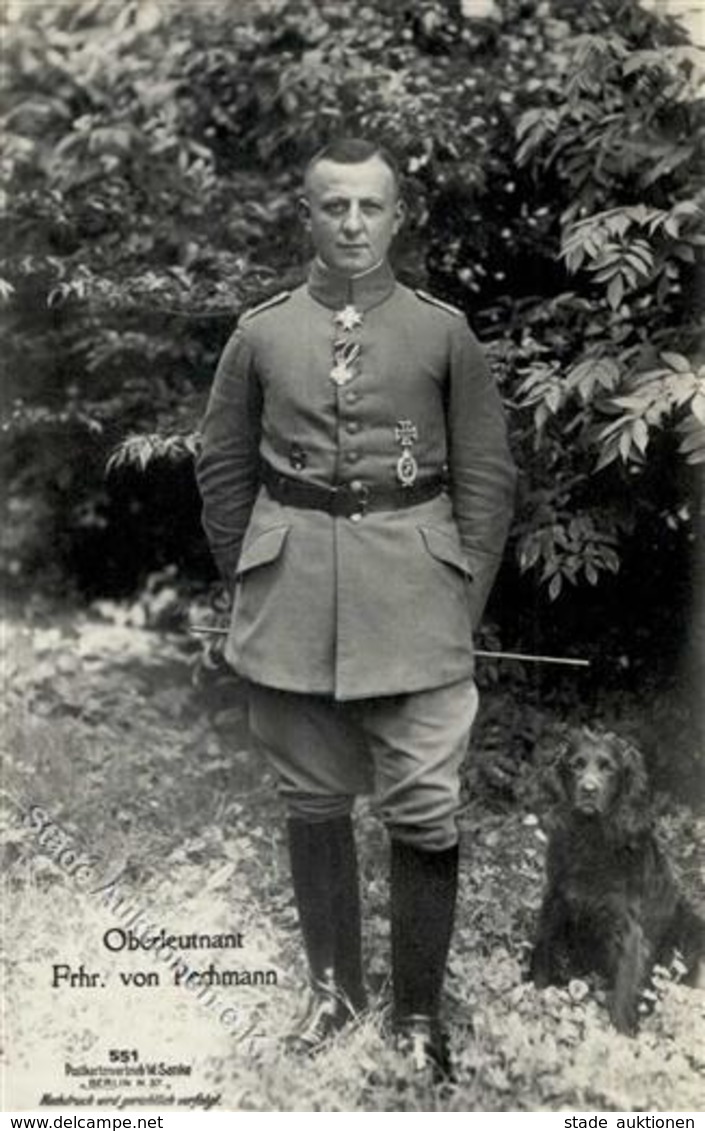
352	221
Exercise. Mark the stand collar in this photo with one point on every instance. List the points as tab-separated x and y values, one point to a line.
364	291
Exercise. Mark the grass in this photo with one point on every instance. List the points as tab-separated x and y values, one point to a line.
147	769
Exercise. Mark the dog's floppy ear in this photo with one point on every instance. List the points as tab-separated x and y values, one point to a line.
632	815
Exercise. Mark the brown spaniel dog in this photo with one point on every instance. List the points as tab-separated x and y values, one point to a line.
611	903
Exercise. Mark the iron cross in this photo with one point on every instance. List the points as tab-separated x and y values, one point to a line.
406	432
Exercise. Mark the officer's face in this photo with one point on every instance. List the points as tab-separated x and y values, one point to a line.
352	213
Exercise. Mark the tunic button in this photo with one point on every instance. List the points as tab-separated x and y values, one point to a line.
352	426
351	396
355	517
356	486
352	457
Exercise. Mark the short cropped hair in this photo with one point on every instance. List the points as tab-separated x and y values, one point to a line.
353	151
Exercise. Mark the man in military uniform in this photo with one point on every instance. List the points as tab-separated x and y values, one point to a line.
357	490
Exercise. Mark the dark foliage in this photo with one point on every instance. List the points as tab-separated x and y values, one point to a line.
552	154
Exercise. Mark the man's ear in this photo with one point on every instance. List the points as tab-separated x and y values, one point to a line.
304	209
399	215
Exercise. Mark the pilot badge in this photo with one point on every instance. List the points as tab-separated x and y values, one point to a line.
406	434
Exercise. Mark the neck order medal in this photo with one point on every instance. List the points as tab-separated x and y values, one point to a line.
348	318
345	354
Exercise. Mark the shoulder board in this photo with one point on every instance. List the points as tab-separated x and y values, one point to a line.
273	301
426	297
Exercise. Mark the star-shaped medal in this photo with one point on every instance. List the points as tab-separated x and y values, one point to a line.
348	318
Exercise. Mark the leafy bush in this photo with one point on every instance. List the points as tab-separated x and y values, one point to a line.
551	152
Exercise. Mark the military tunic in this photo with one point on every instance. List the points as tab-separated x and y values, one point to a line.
381	602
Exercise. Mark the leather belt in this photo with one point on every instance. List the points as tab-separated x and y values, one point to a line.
347	500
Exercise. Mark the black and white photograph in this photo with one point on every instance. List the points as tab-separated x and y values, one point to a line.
352	558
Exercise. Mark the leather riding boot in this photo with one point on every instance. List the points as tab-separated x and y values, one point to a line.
423	894
347	960
325	880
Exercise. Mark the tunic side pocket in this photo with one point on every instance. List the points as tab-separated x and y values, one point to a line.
443	548
262	549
